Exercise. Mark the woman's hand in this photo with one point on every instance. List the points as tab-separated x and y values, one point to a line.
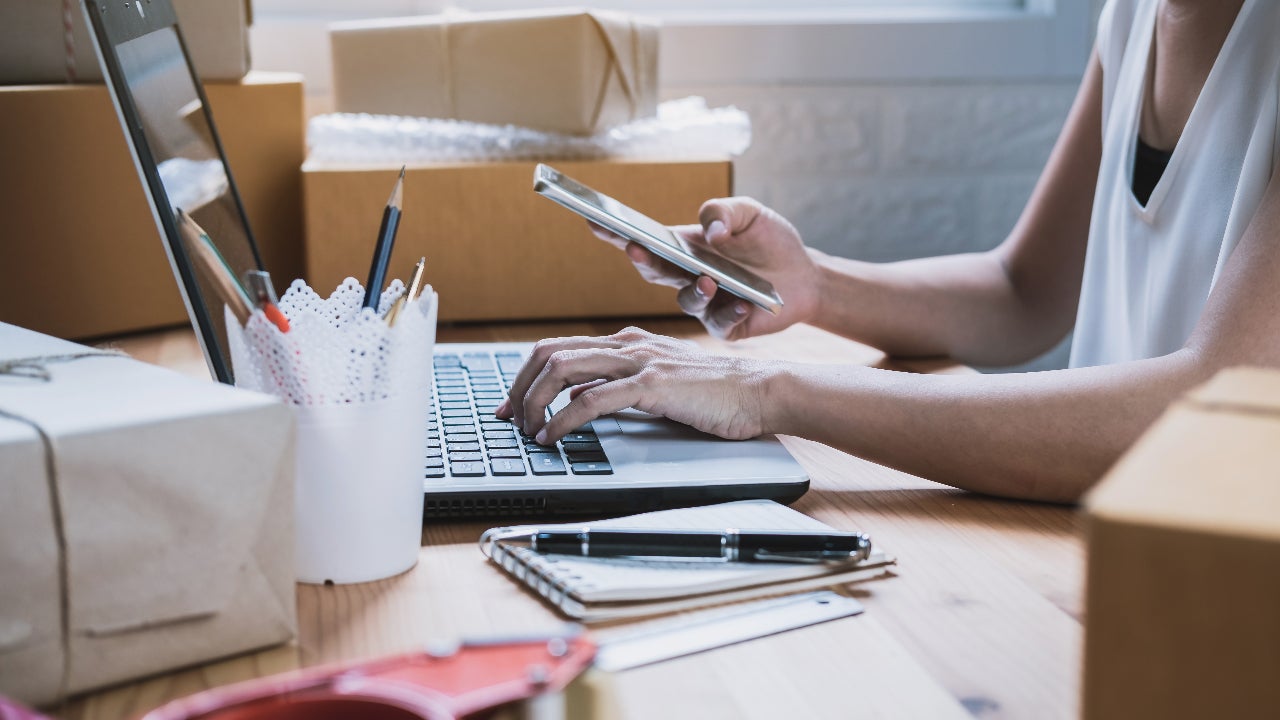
637	369
753	236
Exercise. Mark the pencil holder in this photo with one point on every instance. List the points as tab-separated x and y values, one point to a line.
360	386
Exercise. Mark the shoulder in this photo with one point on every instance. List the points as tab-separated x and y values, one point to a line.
1115	25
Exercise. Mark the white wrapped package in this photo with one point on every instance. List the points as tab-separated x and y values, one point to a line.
145	519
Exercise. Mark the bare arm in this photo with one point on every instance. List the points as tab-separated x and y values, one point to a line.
1046	435
990	308
993	308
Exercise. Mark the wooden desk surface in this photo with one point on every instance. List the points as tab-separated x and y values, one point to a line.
982	619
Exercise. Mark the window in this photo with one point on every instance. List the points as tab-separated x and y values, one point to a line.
719	42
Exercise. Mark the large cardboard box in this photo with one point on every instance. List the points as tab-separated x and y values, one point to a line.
34	40
569	71
81	255
495	249
153	530
1183	598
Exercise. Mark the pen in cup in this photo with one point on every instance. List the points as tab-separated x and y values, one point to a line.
205	255
264	297
418	268
385	243
408	296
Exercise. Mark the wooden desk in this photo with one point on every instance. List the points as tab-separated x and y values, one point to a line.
984	614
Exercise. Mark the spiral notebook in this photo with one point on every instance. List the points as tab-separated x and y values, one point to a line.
591	589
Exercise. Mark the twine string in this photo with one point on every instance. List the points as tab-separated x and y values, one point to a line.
36	368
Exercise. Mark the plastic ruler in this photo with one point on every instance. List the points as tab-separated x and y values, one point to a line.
709	629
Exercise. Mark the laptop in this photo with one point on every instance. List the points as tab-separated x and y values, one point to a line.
476	465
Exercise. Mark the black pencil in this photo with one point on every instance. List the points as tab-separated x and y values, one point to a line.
386	240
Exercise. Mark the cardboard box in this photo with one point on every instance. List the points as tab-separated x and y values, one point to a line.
495	249
163	523
82	254
1183	598
569	71
33	47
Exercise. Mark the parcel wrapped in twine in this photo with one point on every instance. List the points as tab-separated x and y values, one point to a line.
569	71
145	519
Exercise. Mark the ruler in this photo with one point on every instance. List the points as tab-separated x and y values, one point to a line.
709	629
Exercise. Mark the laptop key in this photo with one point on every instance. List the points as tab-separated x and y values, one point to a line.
580	437
587	457
591	468
434	472
507	466
435	462
456	421
544	464
457	457
467	469
498	443
456	412
574	447
504	453
463	447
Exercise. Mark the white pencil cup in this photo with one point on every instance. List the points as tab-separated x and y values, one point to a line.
359	489
360	388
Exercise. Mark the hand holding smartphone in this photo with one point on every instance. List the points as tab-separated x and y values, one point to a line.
655	237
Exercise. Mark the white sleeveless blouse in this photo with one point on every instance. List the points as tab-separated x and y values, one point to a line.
1149	269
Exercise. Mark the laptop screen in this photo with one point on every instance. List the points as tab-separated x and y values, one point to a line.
179	147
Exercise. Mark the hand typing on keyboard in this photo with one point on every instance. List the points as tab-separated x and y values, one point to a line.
637	369
465	440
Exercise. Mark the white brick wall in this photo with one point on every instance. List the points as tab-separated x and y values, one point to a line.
888	172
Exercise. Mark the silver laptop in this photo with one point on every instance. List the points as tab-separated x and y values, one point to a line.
476	465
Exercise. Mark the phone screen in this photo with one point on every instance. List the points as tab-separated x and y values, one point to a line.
729	275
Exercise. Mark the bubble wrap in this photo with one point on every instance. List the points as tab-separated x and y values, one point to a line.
337	352
684	128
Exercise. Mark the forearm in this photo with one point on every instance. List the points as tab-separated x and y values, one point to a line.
962	306
1046	436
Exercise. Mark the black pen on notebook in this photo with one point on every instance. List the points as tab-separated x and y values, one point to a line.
386	240
732	545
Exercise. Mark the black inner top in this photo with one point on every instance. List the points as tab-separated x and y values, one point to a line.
1148	165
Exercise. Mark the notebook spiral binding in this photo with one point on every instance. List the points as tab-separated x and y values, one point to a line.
523	563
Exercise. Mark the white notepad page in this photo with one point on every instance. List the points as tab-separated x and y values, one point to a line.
576	583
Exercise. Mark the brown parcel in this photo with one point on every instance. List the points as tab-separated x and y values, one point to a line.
495	249
33	47
176	504
1183	598
569	71
82	254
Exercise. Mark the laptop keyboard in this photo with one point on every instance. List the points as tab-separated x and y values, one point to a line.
465	440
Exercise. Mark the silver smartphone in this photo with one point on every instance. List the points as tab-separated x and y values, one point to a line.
655	237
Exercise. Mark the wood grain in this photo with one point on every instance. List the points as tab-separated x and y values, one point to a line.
983	614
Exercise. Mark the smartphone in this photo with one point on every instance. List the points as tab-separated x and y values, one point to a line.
655	237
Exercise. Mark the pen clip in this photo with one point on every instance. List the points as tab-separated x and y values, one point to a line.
858	554
806	556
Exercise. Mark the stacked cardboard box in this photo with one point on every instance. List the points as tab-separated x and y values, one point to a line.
495	249
35	41
562	70
82	256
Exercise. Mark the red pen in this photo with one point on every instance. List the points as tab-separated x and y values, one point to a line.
264	295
